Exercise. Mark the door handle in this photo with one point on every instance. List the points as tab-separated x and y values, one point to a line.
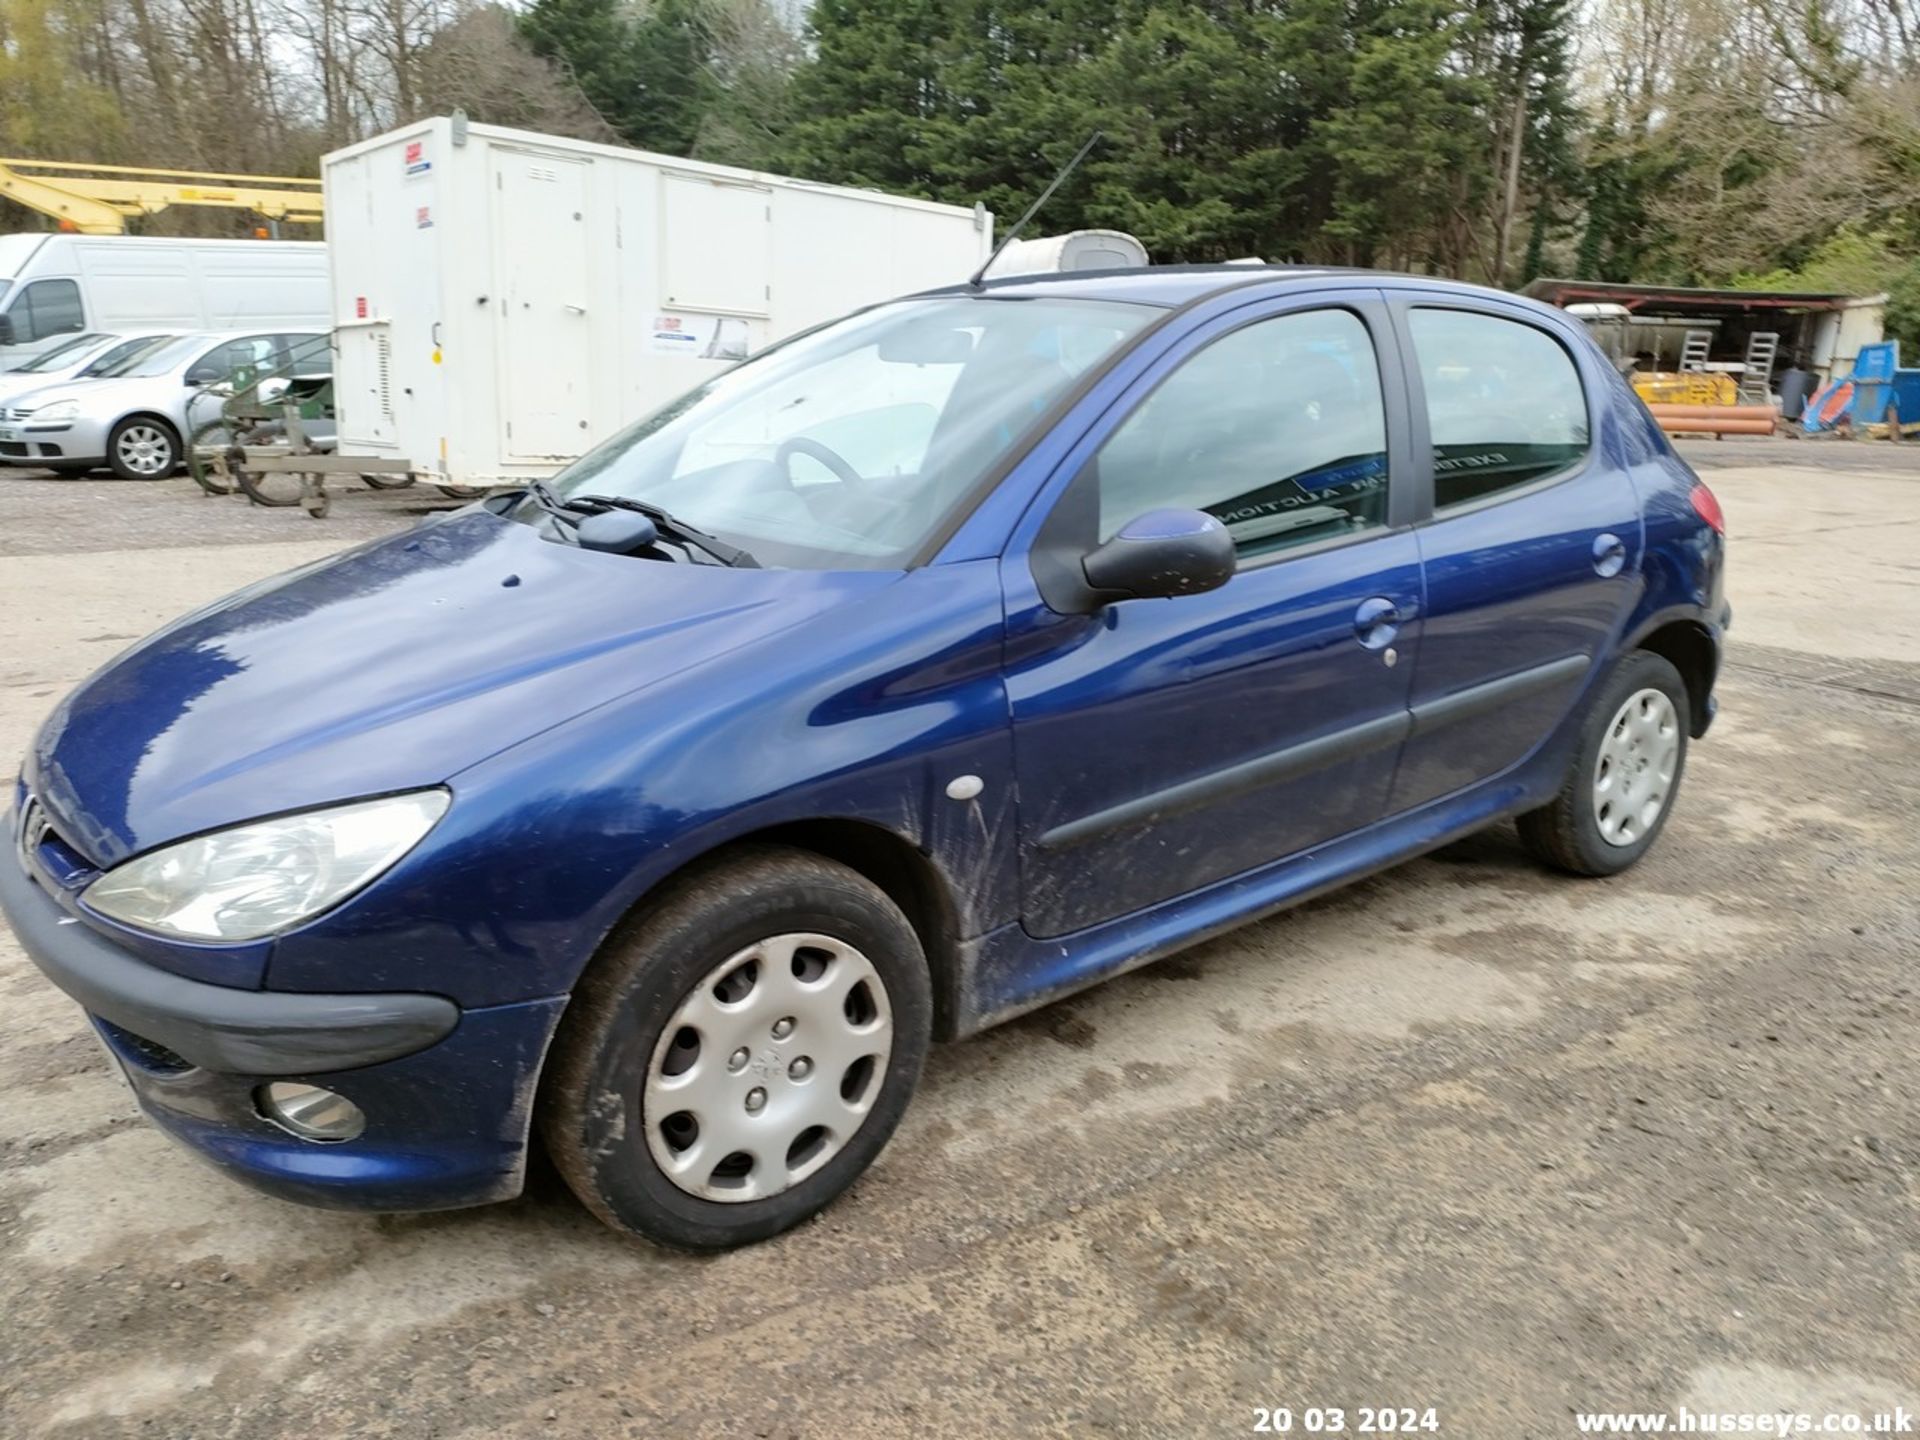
1376	622
1609	555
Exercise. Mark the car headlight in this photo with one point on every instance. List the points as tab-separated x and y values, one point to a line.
255	879
58	410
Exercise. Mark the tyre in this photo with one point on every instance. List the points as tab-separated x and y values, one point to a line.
143	447
385	482
214	458
738	1053
1624	776
277	489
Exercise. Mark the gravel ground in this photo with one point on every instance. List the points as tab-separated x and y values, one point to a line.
1465	1135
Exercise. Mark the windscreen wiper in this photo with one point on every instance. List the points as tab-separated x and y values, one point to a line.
670	526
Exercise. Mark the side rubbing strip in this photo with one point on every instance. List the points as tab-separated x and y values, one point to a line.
1478	699
1219	784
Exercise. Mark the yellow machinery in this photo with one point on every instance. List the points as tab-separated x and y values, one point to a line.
97	199
1685	387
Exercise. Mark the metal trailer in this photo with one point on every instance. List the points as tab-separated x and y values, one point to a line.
503	301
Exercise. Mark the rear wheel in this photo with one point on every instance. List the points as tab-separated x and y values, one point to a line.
1624	775
143	447
733	1060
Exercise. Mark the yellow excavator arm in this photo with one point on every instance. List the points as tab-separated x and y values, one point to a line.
97	199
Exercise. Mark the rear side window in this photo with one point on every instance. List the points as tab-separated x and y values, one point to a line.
1504	403
1277	429
47	307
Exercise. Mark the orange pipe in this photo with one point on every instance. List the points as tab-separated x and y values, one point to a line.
1714	412
1687	425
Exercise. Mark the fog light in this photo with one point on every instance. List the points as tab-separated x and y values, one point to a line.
310	1112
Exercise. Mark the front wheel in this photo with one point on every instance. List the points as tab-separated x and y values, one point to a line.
1625	772
734	1059
143	447
214	458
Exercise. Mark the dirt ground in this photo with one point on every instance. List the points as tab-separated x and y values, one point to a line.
1466	1135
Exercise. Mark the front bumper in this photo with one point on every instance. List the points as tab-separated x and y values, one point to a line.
66	440
447	1093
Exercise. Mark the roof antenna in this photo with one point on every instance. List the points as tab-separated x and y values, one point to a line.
1045	195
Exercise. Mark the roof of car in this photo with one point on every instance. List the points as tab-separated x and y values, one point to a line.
1175	285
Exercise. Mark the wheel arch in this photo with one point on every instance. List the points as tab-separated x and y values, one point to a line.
904	872
1689	646
153	415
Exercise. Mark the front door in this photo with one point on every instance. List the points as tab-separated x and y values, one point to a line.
1532	550
1163	745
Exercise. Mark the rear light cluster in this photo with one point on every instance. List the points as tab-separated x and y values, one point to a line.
1707	506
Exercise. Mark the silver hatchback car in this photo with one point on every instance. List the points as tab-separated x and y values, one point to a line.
137	421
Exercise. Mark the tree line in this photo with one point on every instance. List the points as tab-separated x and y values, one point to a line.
1760	142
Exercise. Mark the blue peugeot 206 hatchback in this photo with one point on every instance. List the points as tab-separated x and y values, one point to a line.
930	666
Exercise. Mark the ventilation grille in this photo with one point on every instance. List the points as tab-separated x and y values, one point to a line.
383	353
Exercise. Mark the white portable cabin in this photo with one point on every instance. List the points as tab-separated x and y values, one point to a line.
1071	250
55	286
504	300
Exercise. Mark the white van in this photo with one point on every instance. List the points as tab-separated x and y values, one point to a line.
53	287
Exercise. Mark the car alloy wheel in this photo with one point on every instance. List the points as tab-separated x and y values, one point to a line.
767	1068
1633	775
144	450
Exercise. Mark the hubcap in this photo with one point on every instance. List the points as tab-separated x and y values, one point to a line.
768	1068
144	450
1633	777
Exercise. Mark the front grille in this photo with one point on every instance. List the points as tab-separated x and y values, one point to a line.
12	447
16	413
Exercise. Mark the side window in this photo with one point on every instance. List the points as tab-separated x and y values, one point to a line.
255	351
47	307
308	356
1278	429
1504	402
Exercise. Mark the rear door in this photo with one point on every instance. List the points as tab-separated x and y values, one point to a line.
1531	543
1164	745
540	268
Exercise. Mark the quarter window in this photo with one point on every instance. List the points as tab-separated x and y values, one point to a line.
1278	429
1504	403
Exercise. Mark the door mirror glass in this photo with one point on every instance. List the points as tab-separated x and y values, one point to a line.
1161	554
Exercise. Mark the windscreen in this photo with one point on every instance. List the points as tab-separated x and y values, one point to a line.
847	448
168	356
119	359
59	356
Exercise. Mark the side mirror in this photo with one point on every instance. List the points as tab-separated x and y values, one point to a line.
1162	553
7	336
